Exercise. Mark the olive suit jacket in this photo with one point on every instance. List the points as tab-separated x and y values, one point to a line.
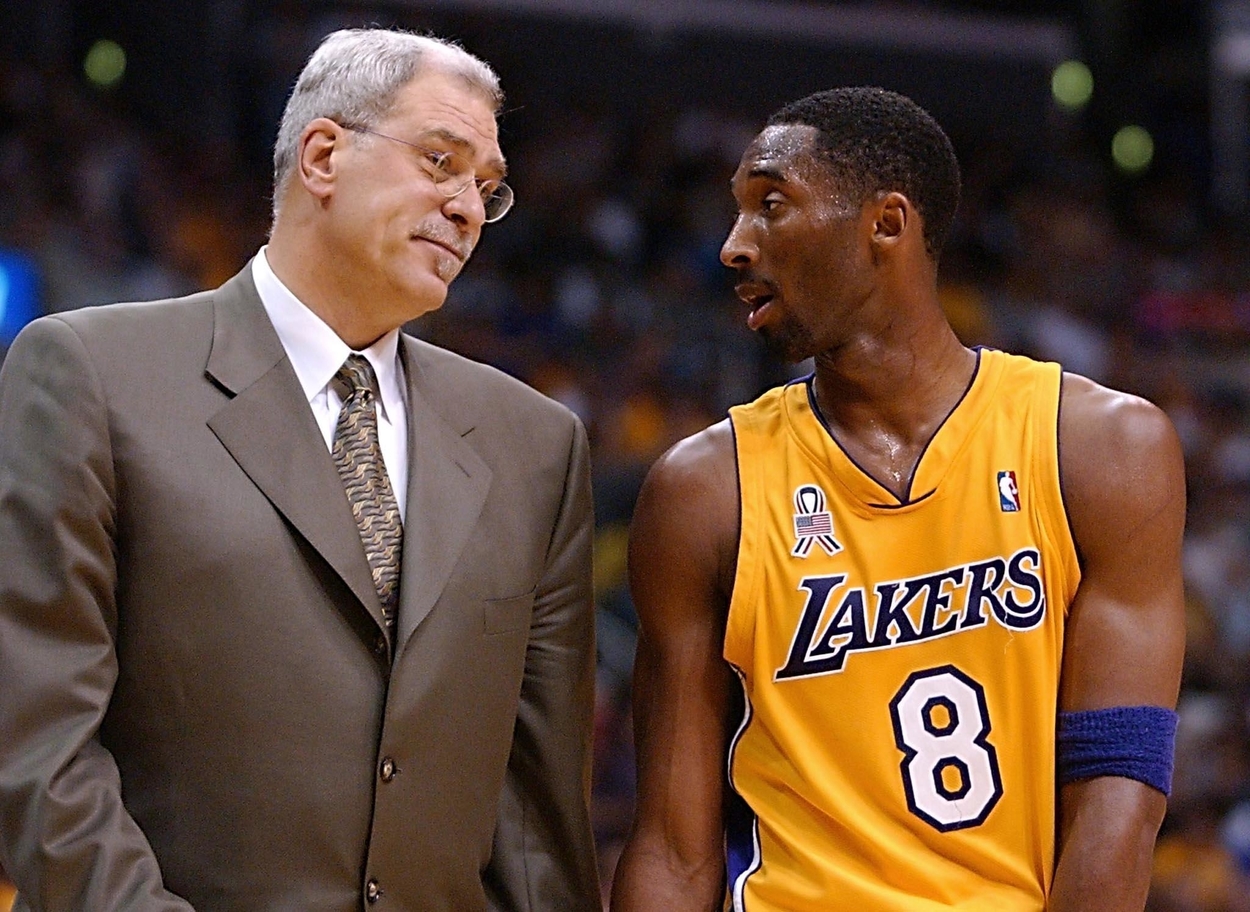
200	706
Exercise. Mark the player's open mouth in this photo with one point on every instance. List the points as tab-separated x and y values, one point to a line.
758	296
756	318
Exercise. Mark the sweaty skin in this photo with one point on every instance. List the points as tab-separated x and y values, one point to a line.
856	290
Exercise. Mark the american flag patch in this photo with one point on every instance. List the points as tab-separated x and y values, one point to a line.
813	524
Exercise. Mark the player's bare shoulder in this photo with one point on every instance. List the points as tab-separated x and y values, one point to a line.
698	466
1117	452
687	510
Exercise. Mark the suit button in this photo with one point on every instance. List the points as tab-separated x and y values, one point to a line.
372	891
388	769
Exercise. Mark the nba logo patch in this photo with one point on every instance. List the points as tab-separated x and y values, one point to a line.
1008	492
812	522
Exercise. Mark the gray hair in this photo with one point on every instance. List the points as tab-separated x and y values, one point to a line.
354	76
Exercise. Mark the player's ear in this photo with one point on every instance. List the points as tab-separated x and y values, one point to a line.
894	213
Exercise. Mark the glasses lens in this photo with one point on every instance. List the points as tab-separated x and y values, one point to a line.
497	202
452	174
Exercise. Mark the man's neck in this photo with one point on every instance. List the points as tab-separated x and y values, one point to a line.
310	274
884	400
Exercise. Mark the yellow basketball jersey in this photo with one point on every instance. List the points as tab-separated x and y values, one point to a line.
899	660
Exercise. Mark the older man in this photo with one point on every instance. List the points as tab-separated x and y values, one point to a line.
296	609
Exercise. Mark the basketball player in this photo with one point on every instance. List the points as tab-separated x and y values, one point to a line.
922	609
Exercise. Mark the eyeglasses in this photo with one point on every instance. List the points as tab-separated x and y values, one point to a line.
453	174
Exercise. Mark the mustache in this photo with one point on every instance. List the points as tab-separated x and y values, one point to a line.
446	237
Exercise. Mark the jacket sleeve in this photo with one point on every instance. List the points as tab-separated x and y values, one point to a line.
66	839
543	856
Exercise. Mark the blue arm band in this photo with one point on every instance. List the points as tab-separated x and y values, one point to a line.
1136	742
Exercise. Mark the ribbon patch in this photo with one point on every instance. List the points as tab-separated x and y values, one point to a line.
812	522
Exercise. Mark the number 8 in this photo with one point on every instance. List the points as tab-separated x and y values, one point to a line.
950	770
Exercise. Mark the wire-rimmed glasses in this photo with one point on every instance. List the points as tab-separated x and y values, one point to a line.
452	174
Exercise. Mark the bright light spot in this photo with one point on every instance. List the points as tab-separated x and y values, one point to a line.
1072	84
4	292
105	64
1132	149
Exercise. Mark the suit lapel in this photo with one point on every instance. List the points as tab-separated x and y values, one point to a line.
447	487
269	430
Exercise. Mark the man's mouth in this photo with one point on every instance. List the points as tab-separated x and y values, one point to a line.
449	246
758	296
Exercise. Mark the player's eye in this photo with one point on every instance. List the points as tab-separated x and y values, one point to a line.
771	202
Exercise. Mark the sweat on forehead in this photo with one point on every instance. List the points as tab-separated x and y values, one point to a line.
787	152
782	153
784	141
877	140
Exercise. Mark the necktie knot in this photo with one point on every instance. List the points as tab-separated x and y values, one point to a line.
354	378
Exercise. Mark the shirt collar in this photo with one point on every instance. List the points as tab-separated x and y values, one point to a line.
314	349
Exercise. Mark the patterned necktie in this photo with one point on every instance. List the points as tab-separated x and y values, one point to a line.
358	456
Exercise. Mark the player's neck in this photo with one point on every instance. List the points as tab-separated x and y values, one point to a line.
884	402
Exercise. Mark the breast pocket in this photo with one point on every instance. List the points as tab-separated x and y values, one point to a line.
508	614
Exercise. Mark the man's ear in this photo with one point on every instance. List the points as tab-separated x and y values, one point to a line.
894	213
317	165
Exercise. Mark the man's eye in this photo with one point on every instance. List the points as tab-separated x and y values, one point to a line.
488	188
439	160
769	203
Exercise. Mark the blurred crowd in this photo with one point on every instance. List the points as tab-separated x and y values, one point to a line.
603	288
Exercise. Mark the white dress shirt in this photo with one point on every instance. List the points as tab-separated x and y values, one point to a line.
316	352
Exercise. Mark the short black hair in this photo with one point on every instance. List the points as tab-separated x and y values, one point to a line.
875	140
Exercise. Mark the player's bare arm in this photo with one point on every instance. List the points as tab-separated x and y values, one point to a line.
1124	486
682	555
